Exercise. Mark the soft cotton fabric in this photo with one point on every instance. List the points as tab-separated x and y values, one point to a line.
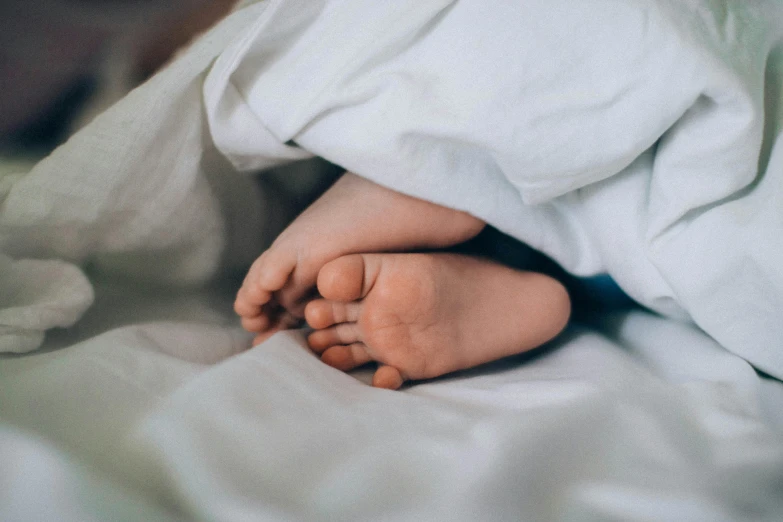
638	138
642	139
167	416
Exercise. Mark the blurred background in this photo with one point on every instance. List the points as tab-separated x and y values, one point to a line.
64	61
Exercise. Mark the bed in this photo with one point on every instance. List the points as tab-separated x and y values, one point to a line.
640	140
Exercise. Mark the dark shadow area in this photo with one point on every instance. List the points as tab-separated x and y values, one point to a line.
49	130
590	296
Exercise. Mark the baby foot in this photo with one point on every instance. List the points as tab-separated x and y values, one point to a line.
354	215
425	315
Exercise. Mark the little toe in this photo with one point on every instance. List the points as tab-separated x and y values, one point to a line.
387	377
322	313
348	278
346	358
342	333
258	323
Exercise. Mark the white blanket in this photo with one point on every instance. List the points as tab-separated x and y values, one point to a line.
643	140
639	138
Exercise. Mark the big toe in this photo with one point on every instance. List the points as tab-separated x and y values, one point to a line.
344	279
270	272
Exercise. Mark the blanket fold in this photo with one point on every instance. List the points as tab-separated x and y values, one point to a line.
128	194
640	139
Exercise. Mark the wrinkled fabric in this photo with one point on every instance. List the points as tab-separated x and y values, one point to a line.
135	193
641	139
167	412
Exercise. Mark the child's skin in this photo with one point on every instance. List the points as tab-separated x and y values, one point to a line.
418	315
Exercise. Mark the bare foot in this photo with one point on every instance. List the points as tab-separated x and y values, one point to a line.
425	315
354	215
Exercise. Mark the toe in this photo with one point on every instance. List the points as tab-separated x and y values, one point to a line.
274	268
254	293
346	358
343	333
250	297
270	271
245	306
256	324
322	313
347	278
387	377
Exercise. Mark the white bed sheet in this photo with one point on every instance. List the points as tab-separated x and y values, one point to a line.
646	419
149	407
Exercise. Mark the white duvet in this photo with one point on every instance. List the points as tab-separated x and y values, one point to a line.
640	139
